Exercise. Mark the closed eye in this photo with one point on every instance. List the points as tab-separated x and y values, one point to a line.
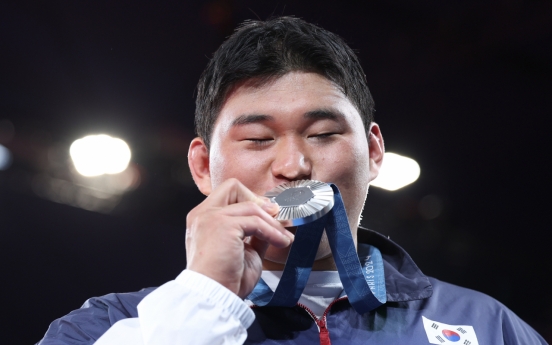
259	141
323	136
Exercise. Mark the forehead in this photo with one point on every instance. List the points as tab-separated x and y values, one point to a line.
291	94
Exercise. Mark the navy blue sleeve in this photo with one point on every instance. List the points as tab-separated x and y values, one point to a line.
494	323
516	331
93	319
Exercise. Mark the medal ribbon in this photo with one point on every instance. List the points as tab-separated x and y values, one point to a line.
364	284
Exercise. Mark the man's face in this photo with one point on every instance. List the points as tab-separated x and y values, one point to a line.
299	126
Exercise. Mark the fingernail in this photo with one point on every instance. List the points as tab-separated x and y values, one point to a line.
287	238
290	235
269	205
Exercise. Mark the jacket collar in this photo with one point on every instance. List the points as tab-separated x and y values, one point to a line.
404	281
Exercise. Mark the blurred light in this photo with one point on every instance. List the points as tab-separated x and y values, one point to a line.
114	184
99	194
96	155
5	158
396	172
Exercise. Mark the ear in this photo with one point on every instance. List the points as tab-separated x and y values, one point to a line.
377	150
198	160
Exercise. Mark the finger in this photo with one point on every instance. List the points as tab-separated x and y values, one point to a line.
259	246
233	191
251	209
258	228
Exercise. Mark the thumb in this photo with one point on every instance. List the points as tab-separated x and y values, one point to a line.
270	207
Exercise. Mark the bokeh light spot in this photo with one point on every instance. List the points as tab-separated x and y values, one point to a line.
96	155
396	172
5	158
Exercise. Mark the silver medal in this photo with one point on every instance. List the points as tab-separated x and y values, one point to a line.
302	202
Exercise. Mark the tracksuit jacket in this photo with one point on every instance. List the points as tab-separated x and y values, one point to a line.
419	310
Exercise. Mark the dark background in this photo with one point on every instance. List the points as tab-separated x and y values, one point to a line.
463	87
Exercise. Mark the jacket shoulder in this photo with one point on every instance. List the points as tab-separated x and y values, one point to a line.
94	318
492	320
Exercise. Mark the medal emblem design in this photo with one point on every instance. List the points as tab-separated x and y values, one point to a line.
302	201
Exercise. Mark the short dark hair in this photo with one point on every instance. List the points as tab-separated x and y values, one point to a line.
269	49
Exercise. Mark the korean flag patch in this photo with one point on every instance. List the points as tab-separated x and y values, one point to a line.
441	333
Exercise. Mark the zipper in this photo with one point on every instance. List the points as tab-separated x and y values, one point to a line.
321	323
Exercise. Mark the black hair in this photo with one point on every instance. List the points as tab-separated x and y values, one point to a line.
269	49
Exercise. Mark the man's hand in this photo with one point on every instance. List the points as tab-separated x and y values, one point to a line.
228	233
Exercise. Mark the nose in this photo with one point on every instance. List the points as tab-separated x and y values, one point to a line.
292	161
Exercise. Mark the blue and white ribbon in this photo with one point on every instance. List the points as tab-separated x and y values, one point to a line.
363	283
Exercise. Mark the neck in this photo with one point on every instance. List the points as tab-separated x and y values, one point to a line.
324	264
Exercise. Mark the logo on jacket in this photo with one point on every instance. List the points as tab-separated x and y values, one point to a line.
441	333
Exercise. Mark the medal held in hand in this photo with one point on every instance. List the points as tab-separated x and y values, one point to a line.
302	202
316	207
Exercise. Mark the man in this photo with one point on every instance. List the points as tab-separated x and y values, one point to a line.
284	100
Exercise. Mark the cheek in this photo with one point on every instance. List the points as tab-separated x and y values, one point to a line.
348	168
246	167
217	166
347	164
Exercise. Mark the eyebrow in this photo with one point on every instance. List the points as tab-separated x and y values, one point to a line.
324	114
317	114
252	118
